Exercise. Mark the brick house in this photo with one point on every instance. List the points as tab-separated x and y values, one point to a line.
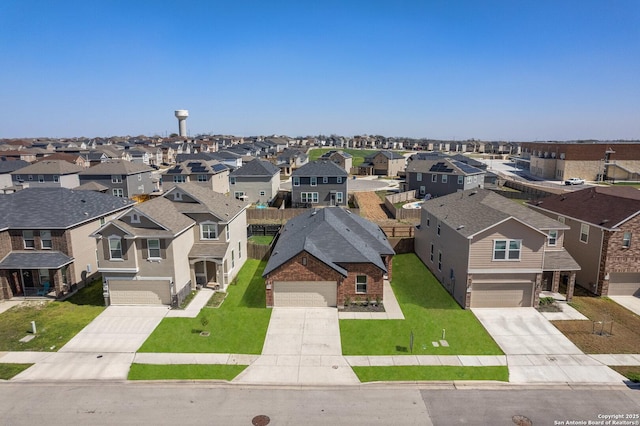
327	257
382	163
603	222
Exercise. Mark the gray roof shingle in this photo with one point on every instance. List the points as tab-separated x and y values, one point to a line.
50	167
222	206
256	167
116	167
320	168
35	260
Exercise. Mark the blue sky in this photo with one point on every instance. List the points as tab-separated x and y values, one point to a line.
508	70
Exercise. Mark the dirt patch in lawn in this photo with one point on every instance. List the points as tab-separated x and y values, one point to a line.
611	329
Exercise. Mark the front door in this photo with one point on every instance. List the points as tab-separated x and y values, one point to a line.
27	282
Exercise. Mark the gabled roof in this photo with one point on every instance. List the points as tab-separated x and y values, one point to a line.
116	167
443	166
472	211
607	207
37	259
333	152
92	186
222	206
333	235
256	167
56	208
320	168
8	166
204	167
391	155
50	167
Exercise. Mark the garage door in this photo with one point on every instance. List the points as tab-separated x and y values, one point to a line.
139	292
624	284
501	295
305	294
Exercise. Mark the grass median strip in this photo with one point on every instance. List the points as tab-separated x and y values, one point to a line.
430	373
184	372
8	371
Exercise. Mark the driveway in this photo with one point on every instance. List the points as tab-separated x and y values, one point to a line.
632	303
537	352
102	350
302	346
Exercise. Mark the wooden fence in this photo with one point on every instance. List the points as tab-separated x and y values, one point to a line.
258	251
399	231
399	213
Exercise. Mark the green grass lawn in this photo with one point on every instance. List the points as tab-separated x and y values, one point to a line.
428	309
8	371
184	372
263	240
357	154
56	322
410	373
238	326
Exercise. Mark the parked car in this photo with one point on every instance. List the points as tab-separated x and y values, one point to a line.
574	181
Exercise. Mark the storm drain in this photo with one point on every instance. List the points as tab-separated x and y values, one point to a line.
260	420
521	420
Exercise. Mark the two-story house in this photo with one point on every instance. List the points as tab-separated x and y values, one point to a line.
6	168
258	181
441	177
319	183
48	174
121	178
604	224
208	174
382	163
158	251
488	251
45	247
341	158
291	159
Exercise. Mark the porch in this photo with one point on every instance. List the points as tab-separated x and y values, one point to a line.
208	266
34	274
559	266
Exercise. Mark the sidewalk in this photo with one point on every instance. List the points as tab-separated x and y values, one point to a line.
194	307
390	303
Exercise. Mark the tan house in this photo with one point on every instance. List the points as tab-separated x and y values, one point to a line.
158	251
383	163
488	251
45	243
341	158
209	174
604	223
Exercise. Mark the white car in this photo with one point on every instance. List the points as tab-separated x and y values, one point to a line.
574	181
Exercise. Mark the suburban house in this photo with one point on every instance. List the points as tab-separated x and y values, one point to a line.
6	168
319	183
48	174
327	257
258	181
441	176
121	178
604	226
290	160
45	247
209	174
489	251
382	163
341	158
158	251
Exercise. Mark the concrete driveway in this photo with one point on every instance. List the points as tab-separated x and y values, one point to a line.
537	352
302	346
632	303
102	350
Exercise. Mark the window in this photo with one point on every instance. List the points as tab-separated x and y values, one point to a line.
325	179
56	178
29	241
30	177
419	177
40	179
296	181
553	238
431	253
102	221
339	199
233	260
135	218
139	176
423	190
44	275
262	193
339	179
469	179
208	231
314	181
238	195
361	283
45	239
118	192
179	179
626	240
506	249
584	233
445	178
309	197
202	178
18	178
239	250
428	219
434	178
232	180
460	180
115	248
227	232
116	179
304	261
439	260
154	248
438	230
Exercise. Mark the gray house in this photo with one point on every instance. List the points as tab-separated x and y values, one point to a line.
257	181
48	174
319	183
122	178
441	177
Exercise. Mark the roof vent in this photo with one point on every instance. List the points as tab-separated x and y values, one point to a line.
459	227
473	193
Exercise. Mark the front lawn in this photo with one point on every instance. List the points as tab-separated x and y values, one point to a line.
619	332
184	372
56	322
263	240
8	371
424	373
428	309
238	326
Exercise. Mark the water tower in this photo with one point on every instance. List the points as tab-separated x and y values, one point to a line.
181	115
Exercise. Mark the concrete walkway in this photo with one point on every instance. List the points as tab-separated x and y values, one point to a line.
391	308
194	307
302	347
5	305
632	303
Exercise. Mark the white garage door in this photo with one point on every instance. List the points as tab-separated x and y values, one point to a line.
624	284
305	294
502	295
139	292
